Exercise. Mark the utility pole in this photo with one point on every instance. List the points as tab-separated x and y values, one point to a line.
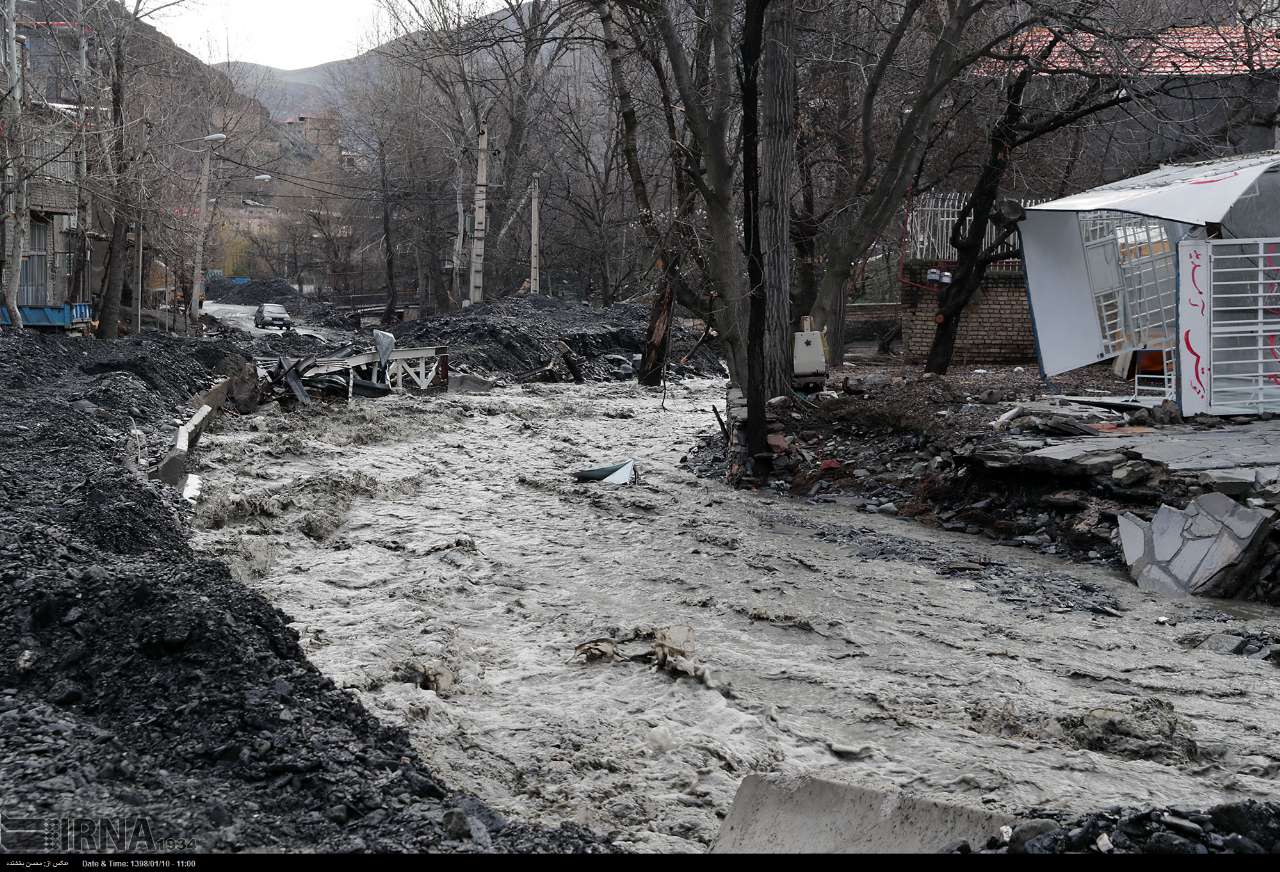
202	210
137	291
477	243
534	265
457	242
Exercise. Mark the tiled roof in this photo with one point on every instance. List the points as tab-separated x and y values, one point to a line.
1192	51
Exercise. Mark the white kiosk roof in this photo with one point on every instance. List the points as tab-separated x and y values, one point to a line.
1198	193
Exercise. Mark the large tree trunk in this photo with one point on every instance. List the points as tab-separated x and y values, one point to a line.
804	236
756	388
969	239
389	261
16	227
653	361
109	317
424	287
777	154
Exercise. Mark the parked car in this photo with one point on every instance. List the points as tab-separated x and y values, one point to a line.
272	315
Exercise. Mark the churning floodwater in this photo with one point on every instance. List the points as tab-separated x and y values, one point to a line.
437	559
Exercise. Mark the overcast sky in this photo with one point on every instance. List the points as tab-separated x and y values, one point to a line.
288	34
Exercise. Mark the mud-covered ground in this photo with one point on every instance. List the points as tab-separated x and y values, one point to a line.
141	682
435	557
514	336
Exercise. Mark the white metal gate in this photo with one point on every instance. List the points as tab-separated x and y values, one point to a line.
1132	270
1229	314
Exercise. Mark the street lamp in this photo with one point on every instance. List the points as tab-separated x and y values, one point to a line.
202	203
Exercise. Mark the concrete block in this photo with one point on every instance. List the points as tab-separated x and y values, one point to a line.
1183	567
196	426
1226	552
804	815
1153	579
1133	536
173	469
1166	532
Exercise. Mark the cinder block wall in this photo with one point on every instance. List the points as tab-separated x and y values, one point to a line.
994	328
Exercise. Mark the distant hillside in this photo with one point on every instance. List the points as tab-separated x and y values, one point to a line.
288	93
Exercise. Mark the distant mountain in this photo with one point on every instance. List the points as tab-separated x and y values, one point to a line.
289	93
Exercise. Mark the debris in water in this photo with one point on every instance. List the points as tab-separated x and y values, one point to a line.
618	473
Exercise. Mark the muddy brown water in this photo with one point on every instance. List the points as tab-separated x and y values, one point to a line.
453	565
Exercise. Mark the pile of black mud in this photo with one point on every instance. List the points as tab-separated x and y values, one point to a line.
252	293
1247	827
289	343
142	686
520	334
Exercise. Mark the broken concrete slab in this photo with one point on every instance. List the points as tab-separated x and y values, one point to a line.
1209	549
1183	448
1130	473
1242	522
1233	482
774	814
1167	532
1132	536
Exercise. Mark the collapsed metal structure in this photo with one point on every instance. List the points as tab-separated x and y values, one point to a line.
1183	261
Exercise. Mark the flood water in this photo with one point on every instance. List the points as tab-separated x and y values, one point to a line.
438	559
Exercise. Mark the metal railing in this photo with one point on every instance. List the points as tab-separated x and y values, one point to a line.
930	219
1132	272
1245	324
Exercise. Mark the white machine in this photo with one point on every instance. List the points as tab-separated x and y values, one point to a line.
810	368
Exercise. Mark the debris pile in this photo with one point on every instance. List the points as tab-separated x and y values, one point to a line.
347	372
252	293
1248	827
139	681
1216	547
992	453
1251	645
520	338
669	649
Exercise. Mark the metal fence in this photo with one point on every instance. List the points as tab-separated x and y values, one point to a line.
931	218
1133	277
1245	318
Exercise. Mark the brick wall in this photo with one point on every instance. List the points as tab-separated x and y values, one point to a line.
866	322
994	328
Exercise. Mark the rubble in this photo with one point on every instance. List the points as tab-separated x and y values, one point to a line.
1213	548
526	337
618	473
1246	827
1050	472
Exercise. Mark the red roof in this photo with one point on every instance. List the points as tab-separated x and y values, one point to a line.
1192	51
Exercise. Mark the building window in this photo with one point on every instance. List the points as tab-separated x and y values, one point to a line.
35	267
